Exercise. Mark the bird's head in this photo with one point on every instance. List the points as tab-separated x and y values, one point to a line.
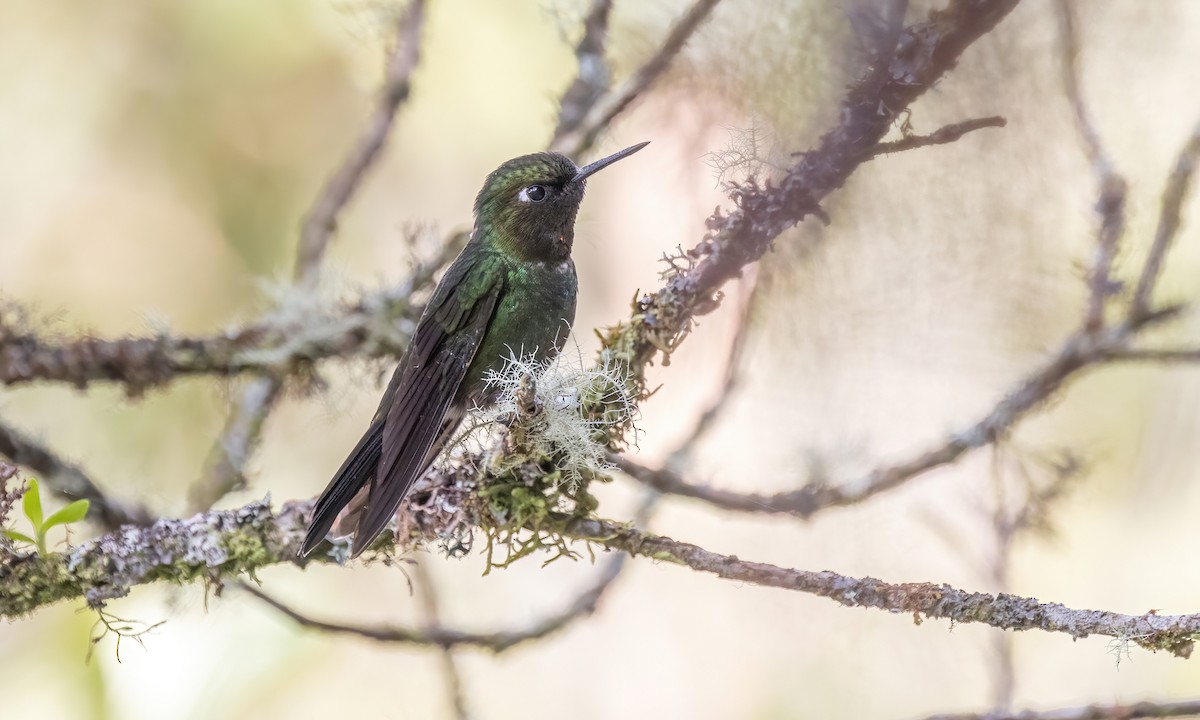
527	205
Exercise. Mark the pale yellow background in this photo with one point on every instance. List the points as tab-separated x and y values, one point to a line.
156	157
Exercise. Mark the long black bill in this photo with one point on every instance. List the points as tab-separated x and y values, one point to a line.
605	162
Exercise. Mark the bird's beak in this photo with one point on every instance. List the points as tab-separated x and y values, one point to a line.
602	163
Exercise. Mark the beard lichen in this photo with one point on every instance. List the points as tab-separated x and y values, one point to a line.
558	418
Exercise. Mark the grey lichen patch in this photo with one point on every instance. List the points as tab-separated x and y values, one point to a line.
214	546
561	414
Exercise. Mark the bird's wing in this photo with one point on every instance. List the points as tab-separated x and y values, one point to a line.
359	465
428	381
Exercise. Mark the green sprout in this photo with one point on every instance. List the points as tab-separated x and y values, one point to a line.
31	503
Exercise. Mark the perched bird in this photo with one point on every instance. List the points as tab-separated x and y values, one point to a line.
511	291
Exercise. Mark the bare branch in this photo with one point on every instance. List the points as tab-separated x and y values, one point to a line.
1112	188
427	592
225	470
941	136
1169	217
496	641
730	380
1158	355
575	141
1068	43
594	75
322	220
1130	711
68	480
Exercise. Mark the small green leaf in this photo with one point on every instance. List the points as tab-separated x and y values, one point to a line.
70	514
18	536
32	503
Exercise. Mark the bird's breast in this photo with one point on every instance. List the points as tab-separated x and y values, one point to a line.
532	319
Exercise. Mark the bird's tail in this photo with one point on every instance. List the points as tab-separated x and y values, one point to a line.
356	471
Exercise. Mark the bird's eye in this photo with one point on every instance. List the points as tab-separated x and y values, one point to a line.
535	193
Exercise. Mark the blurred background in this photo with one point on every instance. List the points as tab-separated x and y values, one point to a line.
158	158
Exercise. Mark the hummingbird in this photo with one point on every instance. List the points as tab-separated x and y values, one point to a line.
511	291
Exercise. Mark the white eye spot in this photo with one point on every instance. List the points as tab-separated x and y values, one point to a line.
532	193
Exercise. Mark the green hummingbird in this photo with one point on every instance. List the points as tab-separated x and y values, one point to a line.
511	291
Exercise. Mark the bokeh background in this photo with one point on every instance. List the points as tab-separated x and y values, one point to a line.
158	156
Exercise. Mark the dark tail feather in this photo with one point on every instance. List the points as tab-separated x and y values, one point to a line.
355	472
389	494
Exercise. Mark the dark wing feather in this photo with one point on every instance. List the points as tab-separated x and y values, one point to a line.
441	350
354	473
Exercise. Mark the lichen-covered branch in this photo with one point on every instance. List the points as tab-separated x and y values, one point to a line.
288	340
223	545
214	546
1094	343
897	76
1174	633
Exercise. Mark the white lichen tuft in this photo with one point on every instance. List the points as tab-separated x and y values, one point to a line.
561	410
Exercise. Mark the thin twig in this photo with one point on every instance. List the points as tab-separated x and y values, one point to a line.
322	220
594	76
497	641
1169	219
941	136
68	480
731	378
576	141
1122	711
226	465
1156	355
1112	187
427	592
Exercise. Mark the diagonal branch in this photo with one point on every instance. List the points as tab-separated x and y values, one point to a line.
1169	220
322	220
225	469
1080	351
897	76
68	480
594	75
574	140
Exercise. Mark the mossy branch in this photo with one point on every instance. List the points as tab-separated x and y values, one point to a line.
223	545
